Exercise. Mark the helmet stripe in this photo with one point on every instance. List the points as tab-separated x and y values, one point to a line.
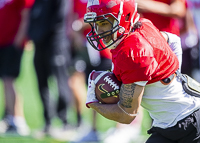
120	11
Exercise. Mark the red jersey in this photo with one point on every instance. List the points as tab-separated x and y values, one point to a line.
163	23
10	18
144	56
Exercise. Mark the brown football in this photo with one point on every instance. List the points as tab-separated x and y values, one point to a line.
107	87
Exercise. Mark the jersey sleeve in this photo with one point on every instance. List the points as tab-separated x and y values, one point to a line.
136	62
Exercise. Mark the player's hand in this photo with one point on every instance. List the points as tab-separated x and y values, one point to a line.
91	97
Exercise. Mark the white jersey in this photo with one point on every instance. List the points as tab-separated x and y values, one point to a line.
168	104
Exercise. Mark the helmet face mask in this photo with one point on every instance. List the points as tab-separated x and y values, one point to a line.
95	38
124	14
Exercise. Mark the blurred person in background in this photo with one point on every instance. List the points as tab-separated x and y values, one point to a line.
78	64
85	59
190	37
164	14
47	30
189	41
14	16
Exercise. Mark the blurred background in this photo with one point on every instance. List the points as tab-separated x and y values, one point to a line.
45	101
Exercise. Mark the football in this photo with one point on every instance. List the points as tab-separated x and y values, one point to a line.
107	87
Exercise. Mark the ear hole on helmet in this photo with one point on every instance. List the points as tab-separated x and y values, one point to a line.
127	17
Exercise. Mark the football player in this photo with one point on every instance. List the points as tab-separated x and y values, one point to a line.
148	69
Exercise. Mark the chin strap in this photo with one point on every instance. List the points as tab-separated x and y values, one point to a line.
116	43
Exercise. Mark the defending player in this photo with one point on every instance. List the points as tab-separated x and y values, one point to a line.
147	67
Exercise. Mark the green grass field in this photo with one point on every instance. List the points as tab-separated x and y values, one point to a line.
26	87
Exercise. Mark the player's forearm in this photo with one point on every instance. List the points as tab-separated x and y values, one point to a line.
112	112
21	34
175	9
